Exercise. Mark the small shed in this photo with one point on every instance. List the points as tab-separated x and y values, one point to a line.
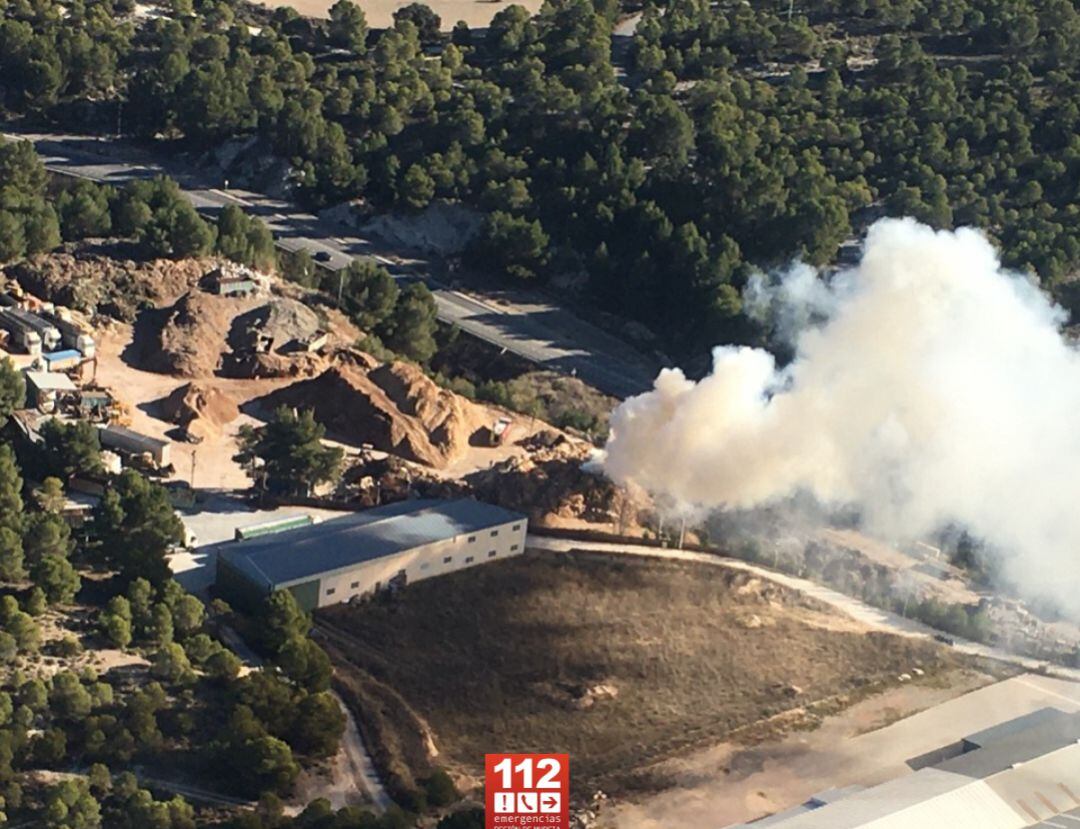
61	360
44	389
135	443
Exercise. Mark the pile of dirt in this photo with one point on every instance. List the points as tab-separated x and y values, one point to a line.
97	284
199	409
393	407
551	487
192	338
280	326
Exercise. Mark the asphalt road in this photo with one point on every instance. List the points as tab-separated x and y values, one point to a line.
524	324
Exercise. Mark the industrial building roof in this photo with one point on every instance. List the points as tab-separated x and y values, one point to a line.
927	798
1009	745
1068	820
132	436
293	556
50	381
1021	773
56	356
996	733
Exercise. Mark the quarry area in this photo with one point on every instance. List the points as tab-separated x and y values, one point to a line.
182	360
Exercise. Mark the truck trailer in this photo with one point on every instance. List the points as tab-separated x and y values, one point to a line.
72	333
50	336
21	335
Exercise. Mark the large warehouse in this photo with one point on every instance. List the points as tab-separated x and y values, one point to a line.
1021	773
343	558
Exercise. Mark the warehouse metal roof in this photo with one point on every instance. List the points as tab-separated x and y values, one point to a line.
927	798
1068	820
294	556
1026	771
1005	729
1042	732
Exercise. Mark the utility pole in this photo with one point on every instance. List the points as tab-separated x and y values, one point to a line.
682	532
193	451
340	285
119	117
790	10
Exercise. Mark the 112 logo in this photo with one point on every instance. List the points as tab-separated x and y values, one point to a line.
527	790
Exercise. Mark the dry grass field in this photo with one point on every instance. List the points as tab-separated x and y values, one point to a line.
619	663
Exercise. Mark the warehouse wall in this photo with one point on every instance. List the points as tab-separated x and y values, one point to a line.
425	562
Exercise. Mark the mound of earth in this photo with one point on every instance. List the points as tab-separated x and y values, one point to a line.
550	485
192	338
97	284
281	325
200	409
273	341
393	406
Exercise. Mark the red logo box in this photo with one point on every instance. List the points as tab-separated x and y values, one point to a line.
527	790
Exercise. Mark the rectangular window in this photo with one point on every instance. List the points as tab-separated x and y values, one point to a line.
330	591
447	560
472	538
354	585
494	533
468	559
491	554
425	565
513	547
516	527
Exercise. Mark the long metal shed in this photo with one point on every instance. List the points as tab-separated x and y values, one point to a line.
344	558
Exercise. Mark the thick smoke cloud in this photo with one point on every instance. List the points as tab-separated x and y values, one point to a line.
928	387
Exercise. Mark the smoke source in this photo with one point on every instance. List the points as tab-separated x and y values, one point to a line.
933	388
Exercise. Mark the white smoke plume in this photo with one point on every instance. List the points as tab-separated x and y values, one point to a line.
937	389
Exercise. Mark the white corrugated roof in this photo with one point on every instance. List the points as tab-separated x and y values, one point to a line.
50	381
928	799
1043	787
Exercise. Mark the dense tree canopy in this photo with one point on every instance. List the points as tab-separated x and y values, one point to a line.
727	136
134	526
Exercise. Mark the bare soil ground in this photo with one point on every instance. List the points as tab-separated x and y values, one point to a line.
618	663
146	393
865	745
380	13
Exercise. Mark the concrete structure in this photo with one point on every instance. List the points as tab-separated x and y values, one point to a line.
135	443
387	547
231	280
45	388
1021	773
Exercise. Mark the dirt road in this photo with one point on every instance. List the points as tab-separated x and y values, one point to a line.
353	778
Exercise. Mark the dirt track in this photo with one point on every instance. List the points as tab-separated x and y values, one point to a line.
380	13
